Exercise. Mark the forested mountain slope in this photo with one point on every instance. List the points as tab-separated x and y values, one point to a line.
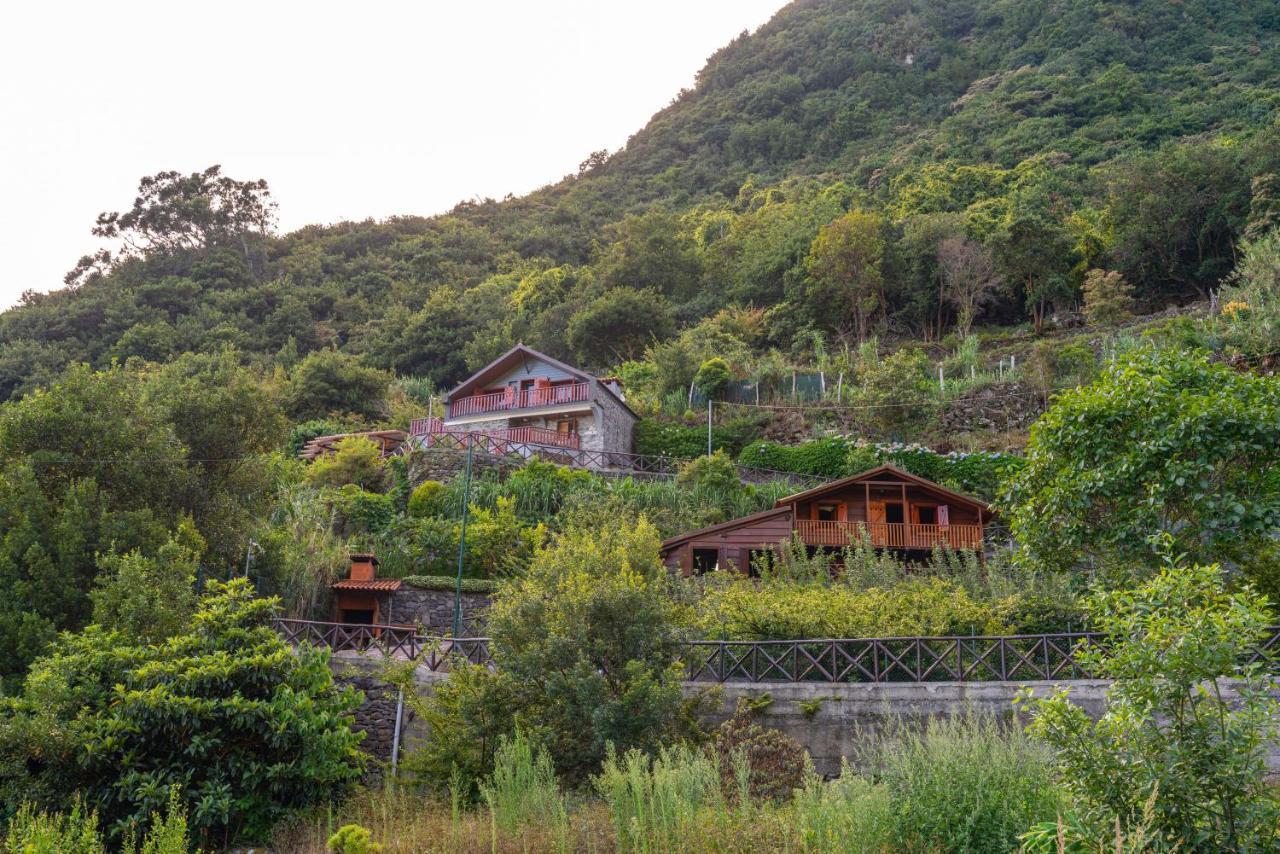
817	169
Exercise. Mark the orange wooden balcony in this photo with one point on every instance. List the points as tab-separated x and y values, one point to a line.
512	399
890	535
432	429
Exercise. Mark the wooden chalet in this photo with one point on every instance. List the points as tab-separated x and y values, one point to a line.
892	508
527	402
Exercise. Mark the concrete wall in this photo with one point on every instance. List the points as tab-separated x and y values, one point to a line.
833	722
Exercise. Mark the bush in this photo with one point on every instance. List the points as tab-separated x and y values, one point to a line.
245	727
363	512
353	839
331	381
661	439
1108	297
355	460
498	543
1162	442
590	634
849	815
429	498
522	789
712	376
656	803
1169	740
449	582
775	760
823	457
34	832
737	610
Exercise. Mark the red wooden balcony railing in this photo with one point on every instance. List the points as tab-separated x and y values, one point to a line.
530	398
891	535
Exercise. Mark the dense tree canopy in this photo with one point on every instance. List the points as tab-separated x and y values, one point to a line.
1135	137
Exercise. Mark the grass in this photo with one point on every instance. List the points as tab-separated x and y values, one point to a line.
965	784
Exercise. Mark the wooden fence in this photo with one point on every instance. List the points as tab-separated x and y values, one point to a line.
997	658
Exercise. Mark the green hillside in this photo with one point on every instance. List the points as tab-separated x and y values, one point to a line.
1043	138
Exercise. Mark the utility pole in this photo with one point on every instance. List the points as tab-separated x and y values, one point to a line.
708	426
462	545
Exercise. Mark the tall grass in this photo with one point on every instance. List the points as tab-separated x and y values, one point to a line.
36	832
523	789
966	783
656	803
849	815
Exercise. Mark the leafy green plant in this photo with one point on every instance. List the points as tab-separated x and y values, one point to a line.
428	499
353	839
773	762
1162	442
849	815
1171	732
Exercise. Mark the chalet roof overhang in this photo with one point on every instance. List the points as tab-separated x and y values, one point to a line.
741	521
883	473
520	354
517	355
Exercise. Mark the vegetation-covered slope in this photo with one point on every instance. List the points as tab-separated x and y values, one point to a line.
1041	138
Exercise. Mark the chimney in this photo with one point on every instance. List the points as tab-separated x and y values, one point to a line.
363	567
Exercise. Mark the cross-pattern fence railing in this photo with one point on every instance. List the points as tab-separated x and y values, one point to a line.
993	658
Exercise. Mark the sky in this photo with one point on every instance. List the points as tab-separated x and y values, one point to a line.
349	110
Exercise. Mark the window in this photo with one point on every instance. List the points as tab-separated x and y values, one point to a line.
927	515
705	560
567	427
893	512
828	513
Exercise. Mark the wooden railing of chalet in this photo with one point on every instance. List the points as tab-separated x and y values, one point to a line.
892	535
530	398
994	658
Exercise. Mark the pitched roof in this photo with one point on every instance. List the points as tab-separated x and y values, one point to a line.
521	351
724	526
509	358
887	468
373	585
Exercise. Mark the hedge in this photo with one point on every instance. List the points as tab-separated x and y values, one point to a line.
664	439
449	582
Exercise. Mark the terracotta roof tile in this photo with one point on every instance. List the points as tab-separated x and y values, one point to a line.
378	585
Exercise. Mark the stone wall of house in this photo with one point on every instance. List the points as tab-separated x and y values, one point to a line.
611	428
433	609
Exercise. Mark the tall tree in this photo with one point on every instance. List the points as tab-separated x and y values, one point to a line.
969	278
844	261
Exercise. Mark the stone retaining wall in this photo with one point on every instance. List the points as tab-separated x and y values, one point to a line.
433	609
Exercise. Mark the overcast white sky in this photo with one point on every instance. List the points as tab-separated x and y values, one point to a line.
349	110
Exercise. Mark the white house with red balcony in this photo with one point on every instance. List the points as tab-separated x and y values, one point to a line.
528	403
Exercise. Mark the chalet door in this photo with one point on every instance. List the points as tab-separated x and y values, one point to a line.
876	527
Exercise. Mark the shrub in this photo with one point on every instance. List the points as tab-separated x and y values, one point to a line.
1108	297
540	489
849	815
712	376
34	832
355	460
303	433
1169	735
363	512
448	582
353	839
591	634
737	610
429	498
245	727
661	439
149	599
498	543
466	716
825	457
966	784
775	760
1163	441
